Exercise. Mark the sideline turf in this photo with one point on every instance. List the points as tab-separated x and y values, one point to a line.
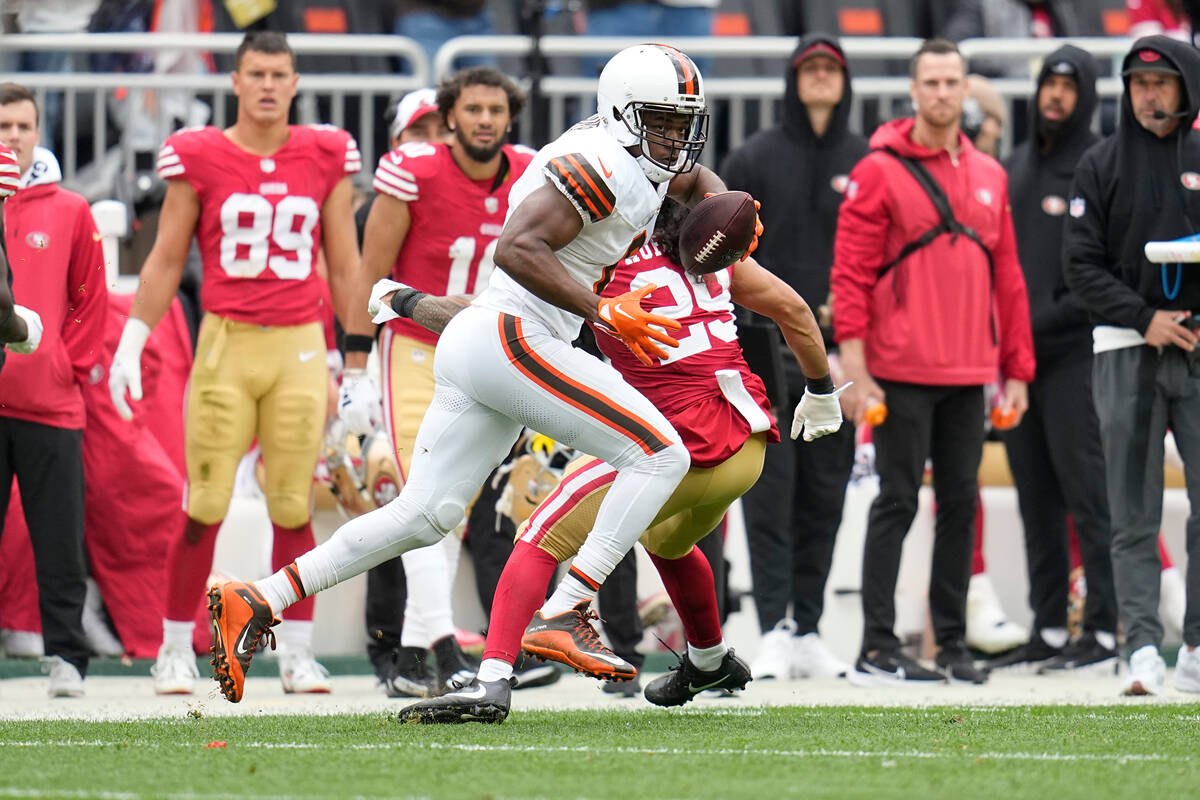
1060	752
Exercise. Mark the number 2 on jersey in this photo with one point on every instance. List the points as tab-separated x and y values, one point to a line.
688	298
248	224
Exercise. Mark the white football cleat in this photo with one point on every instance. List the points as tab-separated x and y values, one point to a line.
175	670
988	628
1187	670
300	672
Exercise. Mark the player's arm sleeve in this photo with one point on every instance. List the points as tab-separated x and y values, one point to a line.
580	180
859	249
87	297
393	179
1087	265
1012	304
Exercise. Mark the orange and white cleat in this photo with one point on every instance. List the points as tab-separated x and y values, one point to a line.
570	639
241	620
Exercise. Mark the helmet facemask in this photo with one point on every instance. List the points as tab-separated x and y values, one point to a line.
682	132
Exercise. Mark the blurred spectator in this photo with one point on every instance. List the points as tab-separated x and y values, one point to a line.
651	18
923	316
1135	187
1166	17
51	16
983	115
1019	19
432	23
1055	456
798	170
57	261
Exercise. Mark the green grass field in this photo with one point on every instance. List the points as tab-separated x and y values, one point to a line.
1059	752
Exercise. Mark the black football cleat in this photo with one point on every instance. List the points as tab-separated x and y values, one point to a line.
684	681
475	701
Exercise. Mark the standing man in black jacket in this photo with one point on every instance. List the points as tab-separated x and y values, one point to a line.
1055	455
1143	184
798	170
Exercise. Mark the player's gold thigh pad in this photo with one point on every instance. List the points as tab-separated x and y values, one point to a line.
410	389
700	501
220	420
291	420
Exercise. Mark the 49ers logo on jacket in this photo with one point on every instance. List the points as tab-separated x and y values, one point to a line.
1190	180
838	182
1054	205
37	240
984	196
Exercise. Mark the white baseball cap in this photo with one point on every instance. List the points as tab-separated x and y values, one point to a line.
412	107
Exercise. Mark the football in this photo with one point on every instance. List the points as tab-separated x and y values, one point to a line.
717	232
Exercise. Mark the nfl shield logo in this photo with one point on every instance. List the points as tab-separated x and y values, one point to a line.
267	165
491	205
1078	207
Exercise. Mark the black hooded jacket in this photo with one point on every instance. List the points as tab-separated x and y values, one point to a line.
799	179
1131	188
1039	185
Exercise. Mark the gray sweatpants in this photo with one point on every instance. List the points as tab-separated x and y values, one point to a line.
1139	395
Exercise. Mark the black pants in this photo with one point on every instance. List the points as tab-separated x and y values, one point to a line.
1058	467
944	423
792	517
48	463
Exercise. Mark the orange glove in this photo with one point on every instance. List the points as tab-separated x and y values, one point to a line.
758	229
623	317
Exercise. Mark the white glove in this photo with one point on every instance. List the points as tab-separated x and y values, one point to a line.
334	363
818	415
34	323
358	402
126	370
379	310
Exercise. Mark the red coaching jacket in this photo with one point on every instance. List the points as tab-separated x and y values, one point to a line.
940	316
58	270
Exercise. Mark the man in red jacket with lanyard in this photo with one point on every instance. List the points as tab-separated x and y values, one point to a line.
55	255
923	323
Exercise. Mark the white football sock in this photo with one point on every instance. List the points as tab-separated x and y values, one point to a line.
707	659
494	669
178	633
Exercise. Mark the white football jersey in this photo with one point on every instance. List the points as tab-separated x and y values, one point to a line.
618	205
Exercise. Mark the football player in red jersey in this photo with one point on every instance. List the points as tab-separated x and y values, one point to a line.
438	209
257	196
720	410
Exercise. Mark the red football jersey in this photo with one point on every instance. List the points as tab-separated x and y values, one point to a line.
260	217
455	221
685	386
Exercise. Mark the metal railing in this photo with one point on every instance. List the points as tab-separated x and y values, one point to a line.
353	100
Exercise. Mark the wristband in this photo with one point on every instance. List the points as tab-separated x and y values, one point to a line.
405	300
357	343
822	385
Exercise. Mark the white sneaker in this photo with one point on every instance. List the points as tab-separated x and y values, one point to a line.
988	628
175	670
301	674
1187	670
812	658
1147	672
774	658
21	644
65	680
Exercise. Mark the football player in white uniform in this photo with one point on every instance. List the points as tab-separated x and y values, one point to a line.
585	202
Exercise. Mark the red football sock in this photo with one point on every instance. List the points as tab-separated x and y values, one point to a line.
977	565
520	592
189	561
689	582
290	544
